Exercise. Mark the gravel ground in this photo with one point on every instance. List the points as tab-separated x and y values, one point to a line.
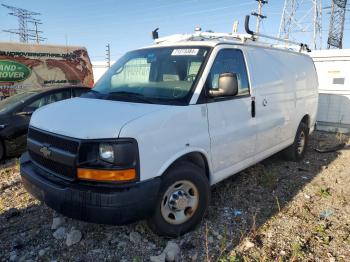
275	210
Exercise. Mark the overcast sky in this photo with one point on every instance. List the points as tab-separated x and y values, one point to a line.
127	24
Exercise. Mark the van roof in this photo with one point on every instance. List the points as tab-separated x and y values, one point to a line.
212	39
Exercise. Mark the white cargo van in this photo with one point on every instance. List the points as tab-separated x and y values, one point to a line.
164	124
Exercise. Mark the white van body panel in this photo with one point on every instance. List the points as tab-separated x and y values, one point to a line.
285	91
168	134
89	118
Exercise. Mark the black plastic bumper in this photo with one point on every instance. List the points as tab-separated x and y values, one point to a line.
90	203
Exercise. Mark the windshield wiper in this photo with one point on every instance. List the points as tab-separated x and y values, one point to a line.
131	95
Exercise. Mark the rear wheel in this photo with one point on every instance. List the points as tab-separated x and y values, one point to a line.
182	201
296	151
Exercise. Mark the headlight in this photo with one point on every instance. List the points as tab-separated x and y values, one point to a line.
107	152
109	160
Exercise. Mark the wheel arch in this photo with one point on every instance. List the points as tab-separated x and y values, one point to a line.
199	158
306	120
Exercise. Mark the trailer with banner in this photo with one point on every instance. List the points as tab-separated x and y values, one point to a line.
30	66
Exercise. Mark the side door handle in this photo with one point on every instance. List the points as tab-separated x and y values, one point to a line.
253	106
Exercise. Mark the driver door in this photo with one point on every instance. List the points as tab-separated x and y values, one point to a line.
231	125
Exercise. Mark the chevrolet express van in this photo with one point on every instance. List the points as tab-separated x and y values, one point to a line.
164	124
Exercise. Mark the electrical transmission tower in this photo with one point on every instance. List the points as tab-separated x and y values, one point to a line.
302	19
336	24
24	17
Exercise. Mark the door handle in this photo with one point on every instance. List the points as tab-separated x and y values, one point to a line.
253	106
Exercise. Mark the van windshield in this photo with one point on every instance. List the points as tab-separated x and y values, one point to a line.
154	75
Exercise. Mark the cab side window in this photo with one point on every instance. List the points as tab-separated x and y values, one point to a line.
229	61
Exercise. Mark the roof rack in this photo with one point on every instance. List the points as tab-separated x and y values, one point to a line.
254	35
198	35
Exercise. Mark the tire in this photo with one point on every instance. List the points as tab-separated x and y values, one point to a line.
297	150
182	201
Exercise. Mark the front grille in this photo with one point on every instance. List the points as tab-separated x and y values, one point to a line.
57	168
68	145
62	143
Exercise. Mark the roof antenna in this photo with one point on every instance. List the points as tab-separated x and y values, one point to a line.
155	34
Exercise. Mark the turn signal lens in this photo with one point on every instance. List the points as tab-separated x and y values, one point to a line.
107	175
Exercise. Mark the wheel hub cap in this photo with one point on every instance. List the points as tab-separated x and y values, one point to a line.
180	202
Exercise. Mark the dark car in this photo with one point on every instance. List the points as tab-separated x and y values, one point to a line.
15	113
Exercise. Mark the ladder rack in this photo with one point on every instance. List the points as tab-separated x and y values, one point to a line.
250	36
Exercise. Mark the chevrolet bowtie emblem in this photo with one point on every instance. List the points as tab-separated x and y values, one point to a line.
45	151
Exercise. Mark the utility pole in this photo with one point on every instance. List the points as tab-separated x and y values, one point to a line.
24	17
259	15
108	55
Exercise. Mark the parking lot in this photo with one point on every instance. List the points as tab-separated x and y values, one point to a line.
275	210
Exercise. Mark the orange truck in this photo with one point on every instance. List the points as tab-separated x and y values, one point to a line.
29	66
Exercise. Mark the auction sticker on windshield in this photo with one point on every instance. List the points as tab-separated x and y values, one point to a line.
177	52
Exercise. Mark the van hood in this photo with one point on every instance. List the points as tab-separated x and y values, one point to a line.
87	118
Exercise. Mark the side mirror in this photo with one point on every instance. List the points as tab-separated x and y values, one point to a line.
228	85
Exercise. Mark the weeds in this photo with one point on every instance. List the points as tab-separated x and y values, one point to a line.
296	251
324	192
278	204
268	178
206	243
341	137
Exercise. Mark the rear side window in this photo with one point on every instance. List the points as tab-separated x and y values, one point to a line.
229	61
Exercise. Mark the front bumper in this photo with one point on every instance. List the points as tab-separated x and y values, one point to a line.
106	205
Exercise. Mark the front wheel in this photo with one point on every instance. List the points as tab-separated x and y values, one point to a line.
182	201
296	151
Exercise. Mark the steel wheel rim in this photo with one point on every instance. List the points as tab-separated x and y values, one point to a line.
179	202
301	143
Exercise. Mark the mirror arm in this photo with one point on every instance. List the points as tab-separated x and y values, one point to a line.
215	92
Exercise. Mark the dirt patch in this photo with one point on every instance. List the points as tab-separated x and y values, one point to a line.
275	210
